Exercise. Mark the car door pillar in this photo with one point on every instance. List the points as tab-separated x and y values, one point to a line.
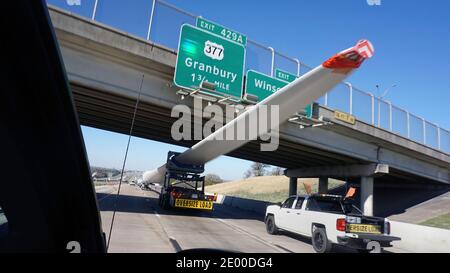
293	186
323	184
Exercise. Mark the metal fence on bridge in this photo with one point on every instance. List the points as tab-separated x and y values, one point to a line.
160	22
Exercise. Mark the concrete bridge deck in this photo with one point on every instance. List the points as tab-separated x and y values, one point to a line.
105	67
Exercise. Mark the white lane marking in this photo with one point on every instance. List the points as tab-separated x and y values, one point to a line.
257	238
157	214
176	246
173	242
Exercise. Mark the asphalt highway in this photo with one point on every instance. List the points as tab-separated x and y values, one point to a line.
141	226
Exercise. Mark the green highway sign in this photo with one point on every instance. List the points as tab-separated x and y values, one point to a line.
221	31
309	110
284	76
203	56
261	85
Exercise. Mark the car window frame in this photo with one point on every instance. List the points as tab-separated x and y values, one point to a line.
296	202
308	204
293	198
319	209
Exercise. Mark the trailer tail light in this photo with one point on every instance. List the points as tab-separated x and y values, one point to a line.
175	194
387	227
212	197
340	224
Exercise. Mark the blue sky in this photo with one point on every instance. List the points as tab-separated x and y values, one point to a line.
411	39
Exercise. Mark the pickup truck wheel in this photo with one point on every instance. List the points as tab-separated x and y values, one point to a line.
270	225
320	241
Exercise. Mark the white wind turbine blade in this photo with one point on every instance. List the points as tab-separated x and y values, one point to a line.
296	95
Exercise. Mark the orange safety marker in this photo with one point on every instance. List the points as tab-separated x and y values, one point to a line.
350	192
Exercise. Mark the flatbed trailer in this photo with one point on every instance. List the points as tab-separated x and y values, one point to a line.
184	186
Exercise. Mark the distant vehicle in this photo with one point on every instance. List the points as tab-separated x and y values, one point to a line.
131	183
328	220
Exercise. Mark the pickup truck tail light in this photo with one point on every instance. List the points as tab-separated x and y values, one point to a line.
387	227
340	224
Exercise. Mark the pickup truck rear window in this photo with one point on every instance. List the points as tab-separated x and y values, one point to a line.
331	206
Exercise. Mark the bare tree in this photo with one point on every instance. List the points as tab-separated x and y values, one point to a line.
277	171
211	179
259	169
247	174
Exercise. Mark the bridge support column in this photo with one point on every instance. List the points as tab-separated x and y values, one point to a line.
323	184
293	186
367	195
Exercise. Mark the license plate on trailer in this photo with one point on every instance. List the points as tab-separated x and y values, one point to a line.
193	204
354	228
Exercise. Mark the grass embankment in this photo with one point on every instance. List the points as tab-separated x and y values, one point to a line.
266	188
442	221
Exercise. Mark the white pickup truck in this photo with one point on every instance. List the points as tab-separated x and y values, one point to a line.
328	220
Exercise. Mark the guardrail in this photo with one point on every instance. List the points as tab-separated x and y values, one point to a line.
160	22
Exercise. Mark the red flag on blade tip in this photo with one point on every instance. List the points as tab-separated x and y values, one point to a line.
352	57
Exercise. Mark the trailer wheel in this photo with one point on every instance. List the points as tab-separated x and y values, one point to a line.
164	201
166	204
160	200
320	241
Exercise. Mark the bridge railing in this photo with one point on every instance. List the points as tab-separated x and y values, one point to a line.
160	22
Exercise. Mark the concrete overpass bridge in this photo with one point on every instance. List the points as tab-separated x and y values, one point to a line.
105	67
